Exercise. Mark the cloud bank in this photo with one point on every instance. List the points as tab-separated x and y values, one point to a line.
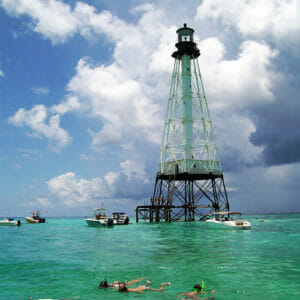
73	191
260	18
256	120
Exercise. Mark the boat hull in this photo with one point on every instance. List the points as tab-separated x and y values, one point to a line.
34	221
238	224
121	221
98	223
10	223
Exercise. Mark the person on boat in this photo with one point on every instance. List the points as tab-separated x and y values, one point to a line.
116	284
141	288
197	290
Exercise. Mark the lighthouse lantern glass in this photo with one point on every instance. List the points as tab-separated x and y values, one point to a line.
186	38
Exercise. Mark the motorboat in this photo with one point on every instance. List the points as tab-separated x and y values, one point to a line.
120	218
35	218
99	219
228	219
10	222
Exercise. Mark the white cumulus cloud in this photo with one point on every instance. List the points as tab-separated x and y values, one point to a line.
72	191
276	18
57	21
53	19
243	81
106	136
121	95
42	125
45	202
71	104
117	100
128	96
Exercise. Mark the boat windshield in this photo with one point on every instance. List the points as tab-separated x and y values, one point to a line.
35	214
119	216
99	213
227	215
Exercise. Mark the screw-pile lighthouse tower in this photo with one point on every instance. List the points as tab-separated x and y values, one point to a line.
189	181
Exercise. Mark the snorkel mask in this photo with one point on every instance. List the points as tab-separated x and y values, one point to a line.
198	289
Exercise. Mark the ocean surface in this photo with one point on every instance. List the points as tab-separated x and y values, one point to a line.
65	258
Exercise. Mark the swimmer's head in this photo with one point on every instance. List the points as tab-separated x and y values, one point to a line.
122	284
123	288
103	284
197	288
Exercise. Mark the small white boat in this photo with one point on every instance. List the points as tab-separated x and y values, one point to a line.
120	218
35	218
228	219
10	222
99	219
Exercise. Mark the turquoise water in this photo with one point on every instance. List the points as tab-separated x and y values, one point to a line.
64	258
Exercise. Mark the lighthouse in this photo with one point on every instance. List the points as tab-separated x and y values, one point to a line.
189	183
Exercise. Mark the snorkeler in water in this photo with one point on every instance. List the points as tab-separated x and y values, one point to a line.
141	288
197	290
116	284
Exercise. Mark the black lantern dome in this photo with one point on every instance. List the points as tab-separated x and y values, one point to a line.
186	44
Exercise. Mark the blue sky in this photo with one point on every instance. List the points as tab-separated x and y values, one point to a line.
83	91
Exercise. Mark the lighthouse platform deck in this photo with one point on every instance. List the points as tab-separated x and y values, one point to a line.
169	213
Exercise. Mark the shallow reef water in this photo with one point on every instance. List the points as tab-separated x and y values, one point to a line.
65	258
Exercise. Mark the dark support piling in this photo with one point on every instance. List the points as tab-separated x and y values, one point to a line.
186	198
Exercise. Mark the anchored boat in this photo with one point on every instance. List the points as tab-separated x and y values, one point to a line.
120	218
228	219
35	218
10	222
99	219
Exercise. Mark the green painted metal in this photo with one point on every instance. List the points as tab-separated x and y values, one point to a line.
188	141
189	182
187	118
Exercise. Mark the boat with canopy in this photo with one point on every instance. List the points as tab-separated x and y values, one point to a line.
228	219
35	218
10	222
99	219
120	218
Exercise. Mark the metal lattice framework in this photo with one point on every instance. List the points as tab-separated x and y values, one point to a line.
189	182
202	155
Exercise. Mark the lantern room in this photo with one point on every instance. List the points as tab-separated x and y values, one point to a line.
185	43
185	34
